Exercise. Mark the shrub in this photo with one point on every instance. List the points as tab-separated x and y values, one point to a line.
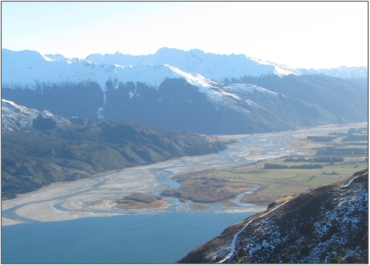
41	123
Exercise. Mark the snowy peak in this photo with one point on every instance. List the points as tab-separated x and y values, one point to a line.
219	67
22	56
56	58
145	89
213	66
30	69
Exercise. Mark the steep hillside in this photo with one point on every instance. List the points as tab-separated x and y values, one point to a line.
341	98
326	225
39	148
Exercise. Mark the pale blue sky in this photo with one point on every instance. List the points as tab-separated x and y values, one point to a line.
298	34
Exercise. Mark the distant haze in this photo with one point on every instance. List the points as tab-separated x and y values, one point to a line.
298	34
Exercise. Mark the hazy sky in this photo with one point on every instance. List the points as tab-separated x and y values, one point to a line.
298	34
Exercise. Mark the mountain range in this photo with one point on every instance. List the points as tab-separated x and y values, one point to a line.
67	119
328	224
188	91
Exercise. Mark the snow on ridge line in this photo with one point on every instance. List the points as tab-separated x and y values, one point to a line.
19	71
10	105
15	117
7	104
194	79
351	180
30	69
212	66
23	71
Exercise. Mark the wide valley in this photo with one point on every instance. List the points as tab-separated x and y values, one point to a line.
59	218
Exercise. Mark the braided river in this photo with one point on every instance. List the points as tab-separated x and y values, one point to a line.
77	222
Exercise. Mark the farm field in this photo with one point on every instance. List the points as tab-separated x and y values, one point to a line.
275	183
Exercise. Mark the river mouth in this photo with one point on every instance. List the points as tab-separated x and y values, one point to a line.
97	196
194	191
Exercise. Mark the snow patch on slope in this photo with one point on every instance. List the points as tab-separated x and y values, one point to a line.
281	69
248	88
15	117
194	79
330	226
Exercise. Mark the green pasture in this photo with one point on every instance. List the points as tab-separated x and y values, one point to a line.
280	182
290	181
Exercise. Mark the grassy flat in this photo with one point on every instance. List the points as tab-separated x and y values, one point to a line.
275	183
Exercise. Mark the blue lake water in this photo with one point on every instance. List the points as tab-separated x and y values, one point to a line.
149	238
137	238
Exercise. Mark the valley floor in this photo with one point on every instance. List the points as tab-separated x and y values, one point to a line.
98	195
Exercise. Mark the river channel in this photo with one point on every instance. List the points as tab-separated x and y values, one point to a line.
97	196
59	224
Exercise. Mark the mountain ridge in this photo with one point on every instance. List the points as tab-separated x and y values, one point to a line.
328	224
211	66
170	97
40	148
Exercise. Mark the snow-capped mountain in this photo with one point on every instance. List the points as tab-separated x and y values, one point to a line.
31	69
213	66
220	67
211	93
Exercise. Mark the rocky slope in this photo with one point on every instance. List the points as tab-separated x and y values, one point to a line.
39	148
326	225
